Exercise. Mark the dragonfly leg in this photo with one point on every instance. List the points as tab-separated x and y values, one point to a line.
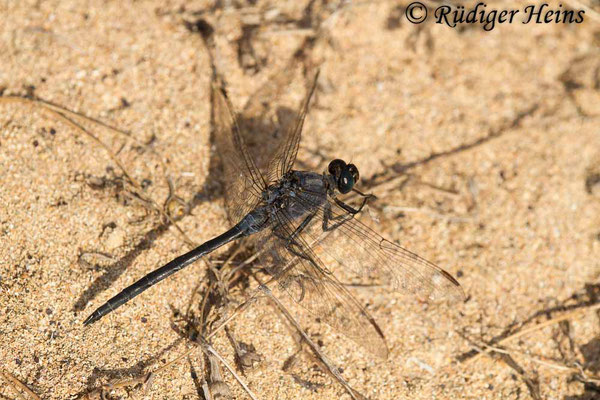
367	195
350	209
295	248
329	217
339	220
290	241
302	226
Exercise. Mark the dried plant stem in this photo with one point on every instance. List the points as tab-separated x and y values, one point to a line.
324	359
14	383
571	314
212	351
238	310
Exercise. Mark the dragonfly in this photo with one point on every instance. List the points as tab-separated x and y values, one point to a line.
302	224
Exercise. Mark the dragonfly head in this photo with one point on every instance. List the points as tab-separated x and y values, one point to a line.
345	175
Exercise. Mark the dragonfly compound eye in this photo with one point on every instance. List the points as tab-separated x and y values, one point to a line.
354	171
345	182
336	167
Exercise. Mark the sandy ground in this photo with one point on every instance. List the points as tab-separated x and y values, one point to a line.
483	148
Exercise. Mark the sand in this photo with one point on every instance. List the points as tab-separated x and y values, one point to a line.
482	147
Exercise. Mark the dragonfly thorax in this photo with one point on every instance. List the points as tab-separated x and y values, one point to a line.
297	192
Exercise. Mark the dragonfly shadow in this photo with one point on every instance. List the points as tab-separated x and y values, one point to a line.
116	269
263	133
259	131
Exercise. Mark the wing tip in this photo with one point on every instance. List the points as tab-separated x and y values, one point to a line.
455	290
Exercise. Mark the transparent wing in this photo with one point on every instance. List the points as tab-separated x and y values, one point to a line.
266	117
284	157
303	276
244	182
249	143
345	242
298	250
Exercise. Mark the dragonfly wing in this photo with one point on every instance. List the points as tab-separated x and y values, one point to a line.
244	182
303	276
344	240
285	155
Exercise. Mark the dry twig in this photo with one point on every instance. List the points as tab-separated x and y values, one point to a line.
16	384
